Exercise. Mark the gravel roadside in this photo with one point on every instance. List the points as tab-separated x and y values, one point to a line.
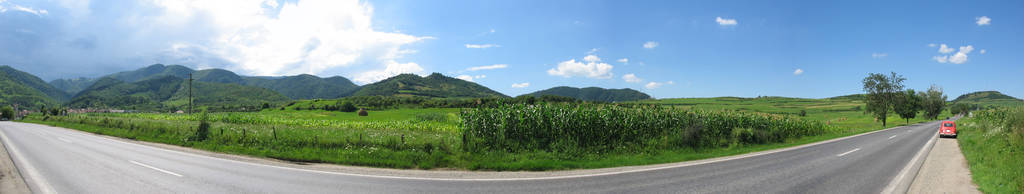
944	171
10	179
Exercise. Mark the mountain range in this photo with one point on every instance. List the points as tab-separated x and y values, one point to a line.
593	94
165	87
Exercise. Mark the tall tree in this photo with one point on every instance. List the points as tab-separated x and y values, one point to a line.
882	91
907	105
933	102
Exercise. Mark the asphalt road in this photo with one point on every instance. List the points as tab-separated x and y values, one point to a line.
56	160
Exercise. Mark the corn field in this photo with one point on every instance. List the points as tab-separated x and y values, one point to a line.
257	119
595	128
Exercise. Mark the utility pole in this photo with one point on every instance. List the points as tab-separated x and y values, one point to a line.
190	93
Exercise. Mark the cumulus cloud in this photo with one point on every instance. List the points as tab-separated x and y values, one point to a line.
623	60
982	51
945	49
390	70
261	37
879	55
959	57
725	22
590	67
481	46
631	78
656	85
798	71
650	44
521	85
983	21
488	67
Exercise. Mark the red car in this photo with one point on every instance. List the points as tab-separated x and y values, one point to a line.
948	129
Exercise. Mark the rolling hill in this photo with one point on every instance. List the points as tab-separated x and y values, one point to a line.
18	87
295	87
305	86
161	93
435	85
988	98
594	94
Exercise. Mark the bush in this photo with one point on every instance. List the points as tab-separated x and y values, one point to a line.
203	131
348	107
7	113
803	113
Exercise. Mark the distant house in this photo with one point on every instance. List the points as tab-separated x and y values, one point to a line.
179	112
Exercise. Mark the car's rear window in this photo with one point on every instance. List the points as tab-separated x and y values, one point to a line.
948	124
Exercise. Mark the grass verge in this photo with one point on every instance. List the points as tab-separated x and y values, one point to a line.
992	143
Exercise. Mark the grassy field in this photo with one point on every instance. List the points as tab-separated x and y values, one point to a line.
490	139
993	143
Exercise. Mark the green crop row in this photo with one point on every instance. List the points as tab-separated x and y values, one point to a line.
263	119
597	128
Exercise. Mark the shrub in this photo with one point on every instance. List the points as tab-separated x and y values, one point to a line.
203	131
7	113
348	107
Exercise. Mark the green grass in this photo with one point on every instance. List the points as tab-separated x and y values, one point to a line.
433	137
993	144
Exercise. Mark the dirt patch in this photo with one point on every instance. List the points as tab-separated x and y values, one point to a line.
10	179
944	171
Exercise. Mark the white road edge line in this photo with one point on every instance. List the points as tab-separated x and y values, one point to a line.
890	137
683	164
155	168
898	180
31	175
848	152
65	140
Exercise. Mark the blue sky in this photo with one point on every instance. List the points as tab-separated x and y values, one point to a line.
668	49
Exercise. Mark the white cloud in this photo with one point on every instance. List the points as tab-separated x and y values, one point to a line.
471	77
309	36
591	59
725	22
959	57
623	60
390	70
487	67
656	85
879	55
481	46
631	78
945	49
592	51
521	85
593	68
798	71
982	51
650	44
983	21
931	45
37	12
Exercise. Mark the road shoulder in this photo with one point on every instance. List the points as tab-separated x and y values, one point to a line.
944	171
10	179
